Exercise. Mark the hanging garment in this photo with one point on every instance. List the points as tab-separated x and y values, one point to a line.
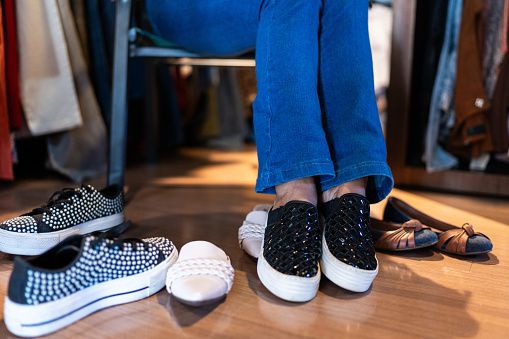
429	39
492	43
81	152
99	62
78	10
232	118
380	29
48	95
470	136
505	23
11	66
442	101
170	123
5	138
498	114
107	16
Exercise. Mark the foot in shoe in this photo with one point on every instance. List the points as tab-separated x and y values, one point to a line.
81	275
68	212
348	254
288	264
202	275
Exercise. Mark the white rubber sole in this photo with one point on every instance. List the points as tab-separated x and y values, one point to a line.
287	287
37	320
345	276
35	243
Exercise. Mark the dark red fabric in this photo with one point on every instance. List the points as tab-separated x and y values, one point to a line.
11	64
5	140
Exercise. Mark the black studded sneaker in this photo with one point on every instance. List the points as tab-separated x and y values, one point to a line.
348	253
81	275
68	212
288	264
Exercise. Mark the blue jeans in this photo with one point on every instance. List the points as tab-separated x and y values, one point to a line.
315	113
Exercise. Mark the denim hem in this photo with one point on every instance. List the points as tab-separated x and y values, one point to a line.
267	183
380	181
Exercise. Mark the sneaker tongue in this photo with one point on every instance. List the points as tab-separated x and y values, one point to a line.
56	200
63	195
59	256
65	255
37	217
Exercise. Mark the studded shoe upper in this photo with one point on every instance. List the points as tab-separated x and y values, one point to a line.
292	242
347	232
82	261
68	207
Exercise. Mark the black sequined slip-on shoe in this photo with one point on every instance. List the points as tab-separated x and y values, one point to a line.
81	275
348	253
288	263
70	211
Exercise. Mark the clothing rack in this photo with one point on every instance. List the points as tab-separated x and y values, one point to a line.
399	115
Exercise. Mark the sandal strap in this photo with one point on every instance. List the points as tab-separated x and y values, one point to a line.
251	230
403	237
457	239
200	266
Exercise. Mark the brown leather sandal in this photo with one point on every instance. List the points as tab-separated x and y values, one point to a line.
452	239
410	235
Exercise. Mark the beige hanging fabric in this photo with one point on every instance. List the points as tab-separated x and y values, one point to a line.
81	152
47	90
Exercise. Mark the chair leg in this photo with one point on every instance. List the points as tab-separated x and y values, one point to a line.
118	121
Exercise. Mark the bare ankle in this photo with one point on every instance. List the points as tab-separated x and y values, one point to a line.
355	186
300	189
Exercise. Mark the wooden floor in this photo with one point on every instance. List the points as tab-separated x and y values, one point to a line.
204	195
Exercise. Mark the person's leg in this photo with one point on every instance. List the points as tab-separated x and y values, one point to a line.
292	147
350	115
219	27
291	143
303	189
356	144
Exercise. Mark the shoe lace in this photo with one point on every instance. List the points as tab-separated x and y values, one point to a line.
118	241
58	199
